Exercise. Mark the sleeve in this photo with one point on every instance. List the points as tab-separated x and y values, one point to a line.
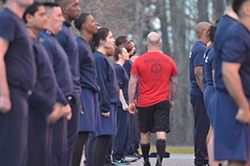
134	70
61	39
234	50
46	83
60	98
120	76
7	28
50	50
102	71
198	59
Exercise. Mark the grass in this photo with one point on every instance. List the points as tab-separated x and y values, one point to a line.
176	150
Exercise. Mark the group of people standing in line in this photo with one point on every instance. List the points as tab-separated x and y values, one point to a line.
59	94
220	78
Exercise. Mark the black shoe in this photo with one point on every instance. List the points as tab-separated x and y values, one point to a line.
147	164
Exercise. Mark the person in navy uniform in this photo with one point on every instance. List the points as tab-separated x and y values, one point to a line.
208	75
88	79
105	126
71	11
120	140
134	133
43	109
59	61
18	74
232	95
201	122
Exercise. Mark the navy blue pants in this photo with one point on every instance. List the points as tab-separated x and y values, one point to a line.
120	141
14	131
73	124
59	146
38	139
133	134
201	127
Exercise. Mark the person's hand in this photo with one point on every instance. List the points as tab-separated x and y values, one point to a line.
171	104
5	104
125	107
243	116
56	114
106	114
67	112
132	108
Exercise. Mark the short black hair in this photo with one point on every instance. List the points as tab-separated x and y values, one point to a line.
31	10
237	4
120	40
81	20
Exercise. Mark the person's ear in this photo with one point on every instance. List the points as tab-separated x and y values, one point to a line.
28	17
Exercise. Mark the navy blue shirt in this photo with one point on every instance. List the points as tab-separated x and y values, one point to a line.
59	61
107	81
219	40
128	66
209	67
68	43
19	58
123	80
88	75
203	69
237	50
196	59
43	97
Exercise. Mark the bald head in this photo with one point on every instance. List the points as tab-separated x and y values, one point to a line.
200	28
153	39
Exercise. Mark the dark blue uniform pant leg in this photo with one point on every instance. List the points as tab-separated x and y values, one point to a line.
201	127
59	143
133	134
38	139
73	124
14	131
89	148
120	140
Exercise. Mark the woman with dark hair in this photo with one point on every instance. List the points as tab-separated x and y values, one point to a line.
208	81
120	141
105	126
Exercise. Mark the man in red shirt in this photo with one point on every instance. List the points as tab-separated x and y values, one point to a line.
158	87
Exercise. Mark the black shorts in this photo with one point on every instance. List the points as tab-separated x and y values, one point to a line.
154	118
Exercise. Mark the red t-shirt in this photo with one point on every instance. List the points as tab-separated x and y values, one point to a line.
154	70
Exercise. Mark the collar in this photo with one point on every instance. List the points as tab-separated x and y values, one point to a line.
67	24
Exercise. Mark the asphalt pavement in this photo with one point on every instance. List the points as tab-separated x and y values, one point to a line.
174	160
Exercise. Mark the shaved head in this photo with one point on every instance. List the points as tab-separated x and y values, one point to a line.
201	27
153	38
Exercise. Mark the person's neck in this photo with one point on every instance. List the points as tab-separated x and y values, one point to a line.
245	22
230	12
33	32
67	19
85	35
102	50
203	40
15	8
153	49
120	62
